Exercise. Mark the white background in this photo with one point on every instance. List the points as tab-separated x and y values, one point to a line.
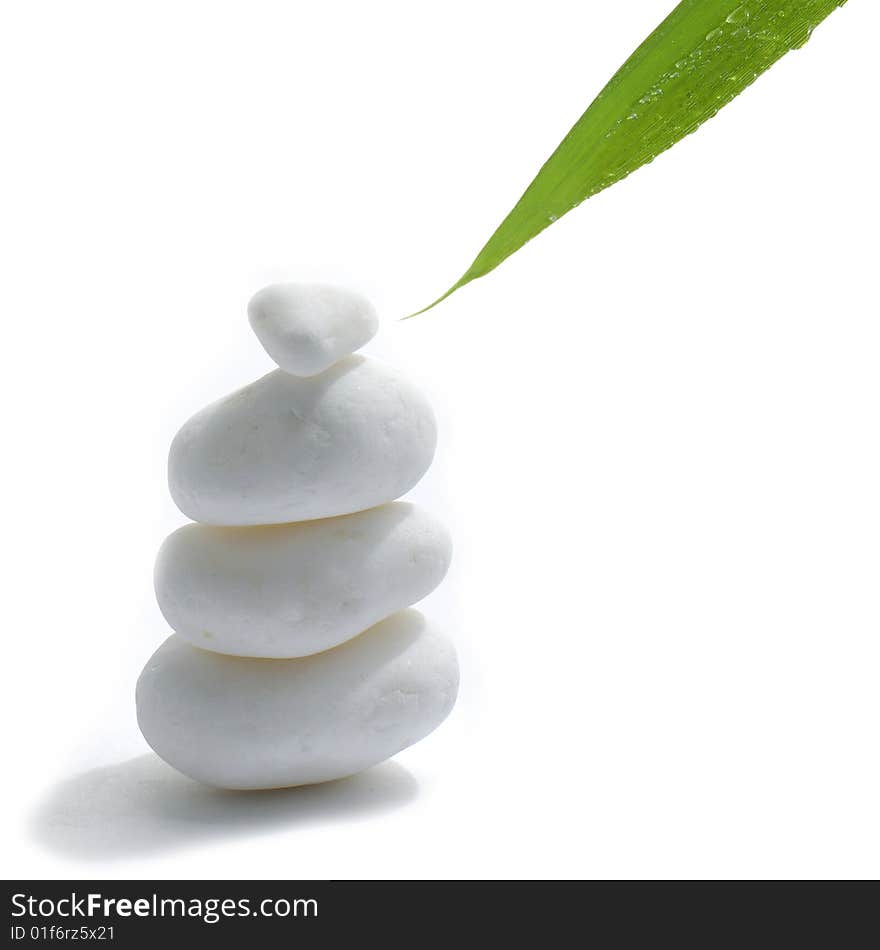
659	453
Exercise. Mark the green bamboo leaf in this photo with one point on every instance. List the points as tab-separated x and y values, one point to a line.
699	58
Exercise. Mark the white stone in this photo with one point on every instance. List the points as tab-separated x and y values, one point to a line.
297	589
236	722
306	328
286	448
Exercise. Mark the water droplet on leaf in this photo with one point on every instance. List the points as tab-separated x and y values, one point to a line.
739	15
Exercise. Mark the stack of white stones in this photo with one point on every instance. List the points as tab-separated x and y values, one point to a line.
294	659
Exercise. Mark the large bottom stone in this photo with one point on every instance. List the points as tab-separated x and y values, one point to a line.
243	723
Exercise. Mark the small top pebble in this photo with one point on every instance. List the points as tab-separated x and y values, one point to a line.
306	328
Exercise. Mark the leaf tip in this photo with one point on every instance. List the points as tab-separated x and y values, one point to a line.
441	298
